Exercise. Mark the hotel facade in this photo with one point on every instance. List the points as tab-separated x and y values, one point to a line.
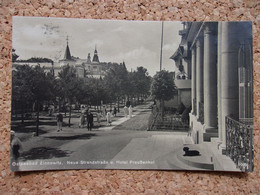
220	57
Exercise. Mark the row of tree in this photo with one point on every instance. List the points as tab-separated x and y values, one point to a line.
32	88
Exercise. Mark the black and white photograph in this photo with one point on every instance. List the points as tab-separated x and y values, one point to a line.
138	95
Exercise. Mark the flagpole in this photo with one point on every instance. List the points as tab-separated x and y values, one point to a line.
161	48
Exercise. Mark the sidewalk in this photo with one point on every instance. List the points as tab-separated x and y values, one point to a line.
166	152
30	141
151	153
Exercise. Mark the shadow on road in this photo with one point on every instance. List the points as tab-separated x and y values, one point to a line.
72	137
43	153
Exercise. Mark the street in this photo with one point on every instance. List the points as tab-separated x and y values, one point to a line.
126	144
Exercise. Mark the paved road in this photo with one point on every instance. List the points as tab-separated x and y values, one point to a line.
103	148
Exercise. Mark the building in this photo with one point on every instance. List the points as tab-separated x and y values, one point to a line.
220	56
182	78
84	67
45	63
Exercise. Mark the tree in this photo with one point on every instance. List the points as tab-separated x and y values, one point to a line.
30	85
116	81
41	89
70	85
21	89
163	87
142	82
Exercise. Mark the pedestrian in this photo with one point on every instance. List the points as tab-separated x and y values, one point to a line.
98	118
90	121
130	111
109	121
125	111
51	109
16	146
82	119
128	103
59	122
114	111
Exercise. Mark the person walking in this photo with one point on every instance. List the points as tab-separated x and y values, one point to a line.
82	119
16	146
51	109
90	121
109	121
59	122
114	111
98	118
104	111
130	111
125	111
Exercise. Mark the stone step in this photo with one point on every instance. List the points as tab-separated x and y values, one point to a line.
207	136
211	130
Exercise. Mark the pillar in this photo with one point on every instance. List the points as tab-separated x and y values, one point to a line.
210	76
229	73
199	73
193	78
219	82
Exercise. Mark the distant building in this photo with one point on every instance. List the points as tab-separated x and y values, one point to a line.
45	63
84	67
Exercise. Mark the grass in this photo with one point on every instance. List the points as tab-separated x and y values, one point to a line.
138	122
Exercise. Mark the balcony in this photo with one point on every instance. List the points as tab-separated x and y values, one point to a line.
239	143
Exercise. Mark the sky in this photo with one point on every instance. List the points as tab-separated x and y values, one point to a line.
137	43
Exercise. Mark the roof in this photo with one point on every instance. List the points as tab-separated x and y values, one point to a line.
178	52
67	55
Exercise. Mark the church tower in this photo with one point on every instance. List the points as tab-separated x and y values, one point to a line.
95	57
67	55
89	59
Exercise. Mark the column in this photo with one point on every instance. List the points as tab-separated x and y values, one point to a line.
219	82
199	73
193	79
229	73
210	76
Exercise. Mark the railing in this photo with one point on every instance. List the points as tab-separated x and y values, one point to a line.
172	122
239	143
201	112
194	106
153	118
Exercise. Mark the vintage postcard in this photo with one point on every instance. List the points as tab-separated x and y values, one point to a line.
105	94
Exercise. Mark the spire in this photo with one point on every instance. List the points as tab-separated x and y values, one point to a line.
89	59
67	55
95	57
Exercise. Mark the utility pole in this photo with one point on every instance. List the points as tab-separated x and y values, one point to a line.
161	48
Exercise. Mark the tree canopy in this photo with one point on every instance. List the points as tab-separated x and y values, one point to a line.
163	87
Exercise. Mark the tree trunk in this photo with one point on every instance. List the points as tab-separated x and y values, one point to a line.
65	109
22	112
37	118
162	108
69	114
15	110
118	104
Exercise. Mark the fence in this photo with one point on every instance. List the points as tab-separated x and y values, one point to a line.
171	122
239	143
